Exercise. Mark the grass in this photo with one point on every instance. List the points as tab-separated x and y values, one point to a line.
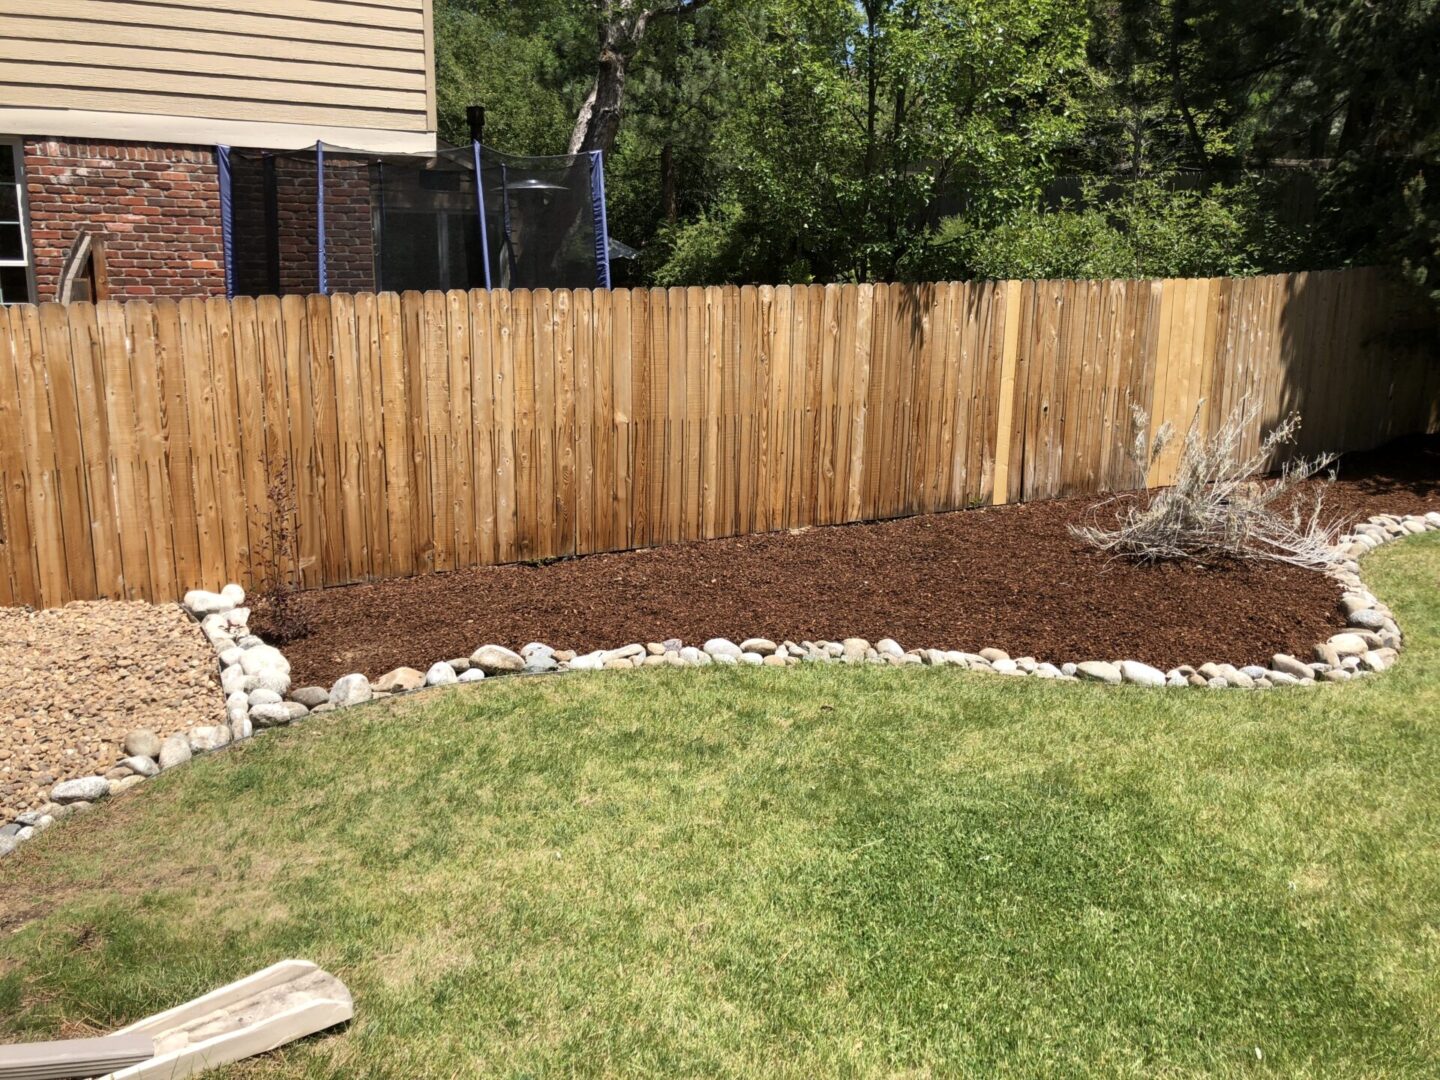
810	872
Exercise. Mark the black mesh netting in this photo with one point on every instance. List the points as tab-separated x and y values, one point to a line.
404	221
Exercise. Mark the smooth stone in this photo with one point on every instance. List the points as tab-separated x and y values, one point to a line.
1286	663
854	650
751	658
1255	671
625	652
1368	619
1176	679
718	647
461	664
310	696
1349	644
1327	654
142	765
250	641
231	656
992	655
538	665
1335	675
142	743
122	786
353	689
323	707
232	680
274	681
1217	682
889	647
207	603
277	715
471	675
175	751
402	678
589	662
1377	659
86	789
497	660
263	658
691	655
1282	678
723	658
1098	671
1069	669
1133	671
619	664
261	696
536	648
564	656
209	737
441	674
241	728
1005	666
763	646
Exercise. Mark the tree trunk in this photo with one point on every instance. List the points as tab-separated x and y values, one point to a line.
669	200
599	119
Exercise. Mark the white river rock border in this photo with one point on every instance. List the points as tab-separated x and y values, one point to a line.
256	676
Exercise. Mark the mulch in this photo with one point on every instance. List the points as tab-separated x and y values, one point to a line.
1011	577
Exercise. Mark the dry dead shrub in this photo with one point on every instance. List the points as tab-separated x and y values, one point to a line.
1220	504
278	561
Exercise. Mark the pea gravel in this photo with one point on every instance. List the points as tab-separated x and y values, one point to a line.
75	680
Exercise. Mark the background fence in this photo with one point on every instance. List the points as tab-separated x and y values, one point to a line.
429	432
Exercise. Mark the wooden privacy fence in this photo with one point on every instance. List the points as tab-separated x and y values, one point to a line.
429	432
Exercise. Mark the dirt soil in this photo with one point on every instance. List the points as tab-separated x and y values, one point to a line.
1011	577
74	681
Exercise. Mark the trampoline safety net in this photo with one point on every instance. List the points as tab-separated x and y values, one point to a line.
327	219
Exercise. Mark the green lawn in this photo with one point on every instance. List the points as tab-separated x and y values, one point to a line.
811	872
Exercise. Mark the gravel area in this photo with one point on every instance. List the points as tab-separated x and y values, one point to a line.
75	680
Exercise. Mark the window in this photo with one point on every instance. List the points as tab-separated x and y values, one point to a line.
14	246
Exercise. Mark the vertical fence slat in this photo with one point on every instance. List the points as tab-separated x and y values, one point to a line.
449	430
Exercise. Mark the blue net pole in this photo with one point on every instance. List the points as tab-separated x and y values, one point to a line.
320	215
480	213
597	210
227	217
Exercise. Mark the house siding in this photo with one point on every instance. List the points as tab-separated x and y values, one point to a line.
336	65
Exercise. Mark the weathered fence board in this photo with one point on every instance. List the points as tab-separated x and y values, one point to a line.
438	431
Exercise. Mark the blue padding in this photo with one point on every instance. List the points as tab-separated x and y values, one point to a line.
480	212
227	218
597	210
320	214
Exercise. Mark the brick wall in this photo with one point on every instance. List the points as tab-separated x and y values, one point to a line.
349	226
157	208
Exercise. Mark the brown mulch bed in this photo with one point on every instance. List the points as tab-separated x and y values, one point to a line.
1010	577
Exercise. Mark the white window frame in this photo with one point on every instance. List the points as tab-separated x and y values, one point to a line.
27	252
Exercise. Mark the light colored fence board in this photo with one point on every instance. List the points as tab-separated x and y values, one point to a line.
436	431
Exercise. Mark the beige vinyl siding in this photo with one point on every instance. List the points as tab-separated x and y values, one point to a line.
361	64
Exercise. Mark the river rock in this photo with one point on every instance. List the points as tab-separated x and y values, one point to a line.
441	674
473	675
201	602
718	647
497	660
351	689
142	743
142	765
402	678
625	652
263	658
209	737
1133	671
1349	644
1291	666
86	789
174	751
1098	671
310	696
277	715
889	647
763	646
261	696
539	664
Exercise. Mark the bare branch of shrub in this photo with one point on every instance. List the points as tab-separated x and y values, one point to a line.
278	559
1219	505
